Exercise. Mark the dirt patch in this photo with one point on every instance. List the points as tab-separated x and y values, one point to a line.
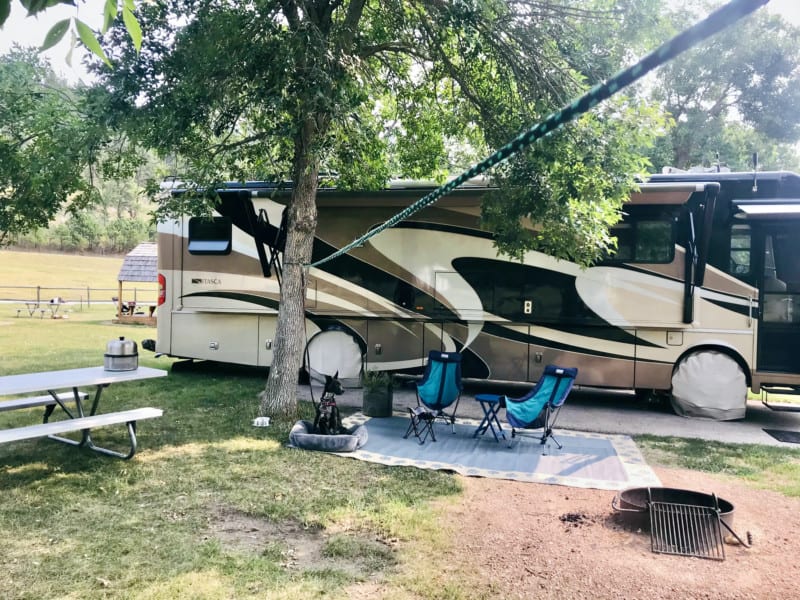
300	547
297	547
526	540
540	541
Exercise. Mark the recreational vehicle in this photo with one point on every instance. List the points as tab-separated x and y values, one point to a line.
702	296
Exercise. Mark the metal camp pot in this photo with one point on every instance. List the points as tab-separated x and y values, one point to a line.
121	355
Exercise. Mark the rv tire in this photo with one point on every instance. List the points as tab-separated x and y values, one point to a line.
709	384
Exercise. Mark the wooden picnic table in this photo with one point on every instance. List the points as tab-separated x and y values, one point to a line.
71	404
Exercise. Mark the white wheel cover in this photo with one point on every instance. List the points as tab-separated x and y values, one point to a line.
332	351
710	385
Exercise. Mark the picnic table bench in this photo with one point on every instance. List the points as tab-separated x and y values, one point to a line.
71	404
33	401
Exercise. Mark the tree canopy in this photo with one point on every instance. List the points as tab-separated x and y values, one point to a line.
46	143
417	80
736	94
284	90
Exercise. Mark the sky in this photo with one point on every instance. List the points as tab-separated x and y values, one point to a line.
30	31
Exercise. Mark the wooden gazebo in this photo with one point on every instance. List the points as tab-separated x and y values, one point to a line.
140	265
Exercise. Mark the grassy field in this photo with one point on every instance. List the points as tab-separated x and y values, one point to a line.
51	269
213	508
65	275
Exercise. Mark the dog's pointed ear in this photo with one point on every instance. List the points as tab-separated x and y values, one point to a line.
337	375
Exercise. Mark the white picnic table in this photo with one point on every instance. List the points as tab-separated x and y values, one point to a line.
33	305
71	403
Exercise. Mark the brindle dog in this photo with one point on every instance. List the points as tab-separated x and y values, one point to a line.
328	421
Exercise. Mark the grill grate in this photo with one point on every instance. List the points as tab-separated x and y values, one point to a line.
686	529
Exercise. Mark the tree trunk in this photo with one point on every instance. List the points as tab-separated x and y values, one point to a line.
280	394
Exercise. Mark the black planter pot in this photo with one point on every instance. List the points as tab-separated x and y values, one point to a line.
377	403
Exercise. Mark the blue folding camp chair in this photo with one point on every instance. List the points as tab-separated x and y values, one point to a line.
439	389
539	408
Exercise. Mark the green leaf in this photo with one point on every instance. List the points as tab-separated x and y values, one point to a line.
36	6
55	35
5	10
133	27
109	14
33	6
87	39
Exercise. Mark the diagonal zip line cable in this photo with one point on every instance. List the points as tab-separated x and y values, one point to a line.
714	23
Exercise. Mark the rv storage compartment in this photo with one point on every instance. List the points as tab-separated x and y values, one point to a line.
121	355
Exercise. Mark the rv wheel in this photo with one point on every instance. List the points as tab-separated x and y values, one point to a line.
709	384
333	351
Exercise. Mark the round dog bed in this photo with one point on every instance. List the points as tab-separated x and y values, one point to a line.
300	437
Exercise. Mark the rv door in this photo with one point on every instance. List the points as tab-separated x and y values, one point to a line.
776	256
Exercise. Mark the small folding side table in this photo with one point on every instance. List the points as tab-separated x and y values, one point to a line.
490	404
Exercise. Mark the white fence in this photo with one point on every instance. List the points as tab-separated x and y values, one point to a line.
77	296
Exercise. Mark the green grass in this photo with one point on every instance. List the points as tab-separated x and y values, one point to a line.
67	270
212	507
81	525
66	275
767	467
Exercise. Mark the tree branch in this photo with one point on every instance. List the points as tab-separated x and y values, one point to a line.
290	11
394	47
224	147
355	10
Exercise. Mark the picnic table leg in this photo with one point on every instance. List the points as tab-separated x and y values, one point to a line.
48	411
131	425
86	437
96	401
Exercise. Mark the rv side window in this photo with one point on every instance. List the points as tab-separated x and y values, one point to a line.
654	243
644	242
740	250
210	236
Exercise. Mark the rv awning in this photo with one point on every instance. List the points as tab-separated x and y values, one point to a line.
668	193
783	208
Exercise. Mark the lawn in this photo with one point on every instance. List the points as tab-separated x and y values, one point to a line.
59	270
211	507
82	525
65	275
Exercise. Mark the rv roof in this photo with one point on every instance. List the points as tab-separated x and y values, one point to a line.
394	184
735	176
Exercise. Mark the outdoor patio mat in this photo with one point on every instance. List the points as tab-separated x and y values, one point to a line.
782	435
587	460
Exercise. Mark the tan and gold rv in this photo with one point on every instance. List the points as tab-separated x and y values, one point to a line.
702	297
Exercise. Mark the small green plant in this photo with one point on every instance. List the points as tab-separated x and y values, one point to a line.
373	381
